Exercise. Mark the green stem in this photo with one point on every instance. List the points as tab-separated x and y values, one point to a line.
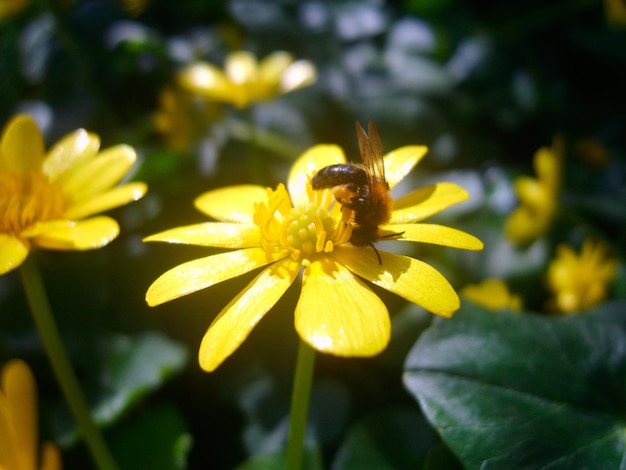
263	138
300	398
51	339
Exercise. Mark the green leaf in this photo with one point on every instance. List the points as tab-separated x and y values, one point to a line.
276	461
392	439
156	439
525	391
135	366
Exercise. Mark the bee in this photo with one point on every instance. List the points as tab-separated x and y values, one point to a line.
361	188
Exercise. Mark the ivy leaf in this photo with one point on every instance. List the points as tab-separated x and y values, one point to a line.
525	391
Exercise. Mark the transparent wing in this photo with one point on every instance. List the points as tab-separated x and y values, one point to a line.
371	152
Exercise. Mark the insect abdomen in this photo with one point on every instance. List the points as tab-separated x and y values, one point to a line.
337	175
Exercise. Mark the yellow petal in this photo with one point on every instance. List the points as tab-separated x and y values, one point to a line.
338	314
435	234
523	226
532	192
96	175
232	203
273	66
219	234
407	277
18	386
400	162
241	67
207	80
86	234
72	149
298	75
424	202
22	146
108	200
309	163
50	457
204	272
13	252
235	322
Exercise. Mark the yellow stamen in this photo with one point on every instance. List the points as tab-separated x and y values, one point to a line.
25	201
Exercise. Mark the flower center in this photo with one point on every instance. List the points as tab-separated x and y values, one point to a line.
301	231
25	201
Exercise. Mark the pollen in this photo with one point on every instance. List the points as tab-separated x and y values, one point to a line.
307	230
27	200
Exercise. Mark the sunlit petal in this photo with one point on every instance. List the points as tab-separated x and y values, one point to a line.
298	75
22	146
98	174
218	234
424	202
72	149
114	198
80	235
234	323
273	66
206	80
435	234
407	277
307	165
233	203
204	272
241	67
338	314
400	162
13	252
18	386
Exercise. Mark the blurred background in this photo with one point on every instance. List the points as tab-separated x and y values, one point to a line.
483	84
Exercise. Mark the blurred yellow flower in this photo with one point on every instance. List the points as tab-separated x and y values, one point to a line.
493	294
615	12
579	282
46	199
18	422
182	118
291	228
538	197
245	80
11	7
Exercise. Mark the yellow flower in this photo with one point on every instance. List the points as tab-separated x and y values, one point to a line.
245	80
181	118
11	7
580	282
45	200
493	294
538	197
286	230
615	12
18	422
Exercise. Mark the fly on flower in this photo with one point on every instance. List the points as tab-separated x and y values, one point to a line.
361	188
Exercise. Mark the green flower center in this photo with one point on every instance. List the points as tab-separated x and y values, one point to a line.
25	201
307	229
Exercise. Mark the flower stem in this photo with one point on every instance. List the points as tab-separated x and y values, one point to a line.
51	339
300	398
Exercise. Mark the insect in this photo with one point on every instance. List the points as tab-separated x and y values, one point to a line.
361	188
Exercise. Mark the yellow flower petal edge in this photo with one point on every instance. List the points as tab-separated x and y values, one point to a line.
232	204
493	294
407	277
427	201
217	234
13	252
400	162
235	322
72	149
111	199
85	234
435	234
358	325
19	416
22	146
204	272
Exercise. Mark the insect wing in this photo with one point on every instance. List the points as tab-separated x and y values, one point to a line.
371	152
